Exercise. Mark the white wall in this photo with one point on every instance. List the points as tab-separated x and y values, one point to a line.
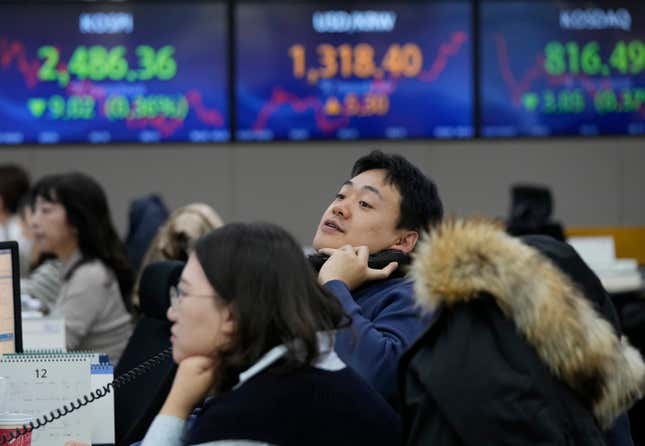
594	181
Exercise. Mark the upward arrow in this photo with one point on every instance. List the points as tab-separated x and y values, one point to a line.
530	101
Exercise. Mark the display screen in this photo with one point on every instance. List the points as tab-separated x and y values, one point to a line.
562	68
348	70
7	303
108	72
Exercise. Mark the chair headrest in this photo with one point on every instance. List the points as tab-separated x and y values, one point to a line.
530	204
156	280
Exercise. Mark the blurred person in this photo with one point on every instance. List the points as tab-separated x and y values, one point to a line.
377	215
176	237
72	221
44	279
145	216
253	329
14	185
525	347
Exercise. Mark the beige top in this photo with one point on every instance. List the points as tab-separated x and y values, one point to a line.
94	312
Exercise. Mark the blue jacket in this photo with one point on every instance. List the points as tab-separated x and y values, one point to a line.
385	322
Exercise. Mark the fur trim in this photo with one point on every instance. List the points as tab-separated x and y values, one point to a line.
462	258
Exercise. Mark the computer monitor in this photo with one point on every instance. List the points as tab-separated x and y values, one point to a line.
10	318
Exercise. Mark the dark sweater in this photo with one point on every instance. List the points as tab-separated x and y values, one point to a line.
385	322
308	406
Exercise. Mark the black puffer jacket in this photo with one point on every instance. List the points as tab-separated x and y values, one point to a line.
523	347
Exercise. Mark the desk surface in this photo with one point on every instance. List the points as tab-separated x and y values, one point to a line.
42	332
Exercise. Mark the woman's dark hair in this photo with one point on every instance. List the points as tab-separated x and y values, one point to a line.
87	211
275	297
14	184
420	202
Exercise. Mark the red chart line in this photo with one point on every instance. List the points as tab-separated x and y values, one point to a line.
15	52
281	97
517	88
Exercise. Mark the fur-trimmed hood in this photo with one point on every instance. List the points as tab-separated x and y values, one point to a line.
461	259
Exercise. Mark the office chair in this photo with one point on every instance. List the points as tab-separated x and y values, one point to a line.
138	402
530	213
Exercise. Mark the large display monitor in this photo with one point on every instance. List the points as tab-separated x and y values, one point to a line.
98	72
356	69
10	314
562	68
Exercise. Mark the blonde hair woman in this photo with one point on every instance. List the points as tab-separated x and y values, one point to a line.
176	237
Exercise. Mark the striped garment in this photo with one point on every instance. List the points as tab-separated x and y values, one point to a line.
44	283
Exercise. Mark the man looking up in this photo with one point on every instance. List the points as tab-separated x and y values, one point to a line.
382	209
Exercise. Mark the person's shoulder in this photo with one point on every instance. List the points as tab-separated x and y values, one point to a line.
395	288
92	272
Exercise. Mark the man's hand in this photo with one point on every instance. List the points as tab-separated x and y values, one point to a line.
349	265
195	377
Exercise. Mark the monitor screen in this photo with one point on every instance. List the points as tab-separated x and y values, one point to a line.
562	68
10	319
349	70
99	72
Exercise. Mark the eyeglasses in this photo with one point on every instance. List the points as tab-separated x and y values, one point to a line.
177	294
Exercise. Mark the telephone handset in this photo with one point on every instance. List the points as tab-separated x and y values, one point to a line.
119	381
377	261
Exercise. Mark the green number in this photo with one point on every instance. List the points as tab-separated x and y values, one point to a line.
80	107
579	102
633	99
164	106
117	65
627	100
139	105
554	63
640	97
618	58
74	107
591	61
78	63
606	101
146	62
166	65
57	106
144	107
548	99
47	71
182	108
117	107
636	54
571	102
97	62
574	55
88	107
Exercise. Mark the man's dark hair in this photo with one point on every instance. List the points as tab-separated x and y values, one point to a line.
14	184
261	271
420	203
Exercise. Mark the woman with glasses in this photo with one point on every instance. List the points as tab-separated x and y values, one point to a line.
71	220
253	334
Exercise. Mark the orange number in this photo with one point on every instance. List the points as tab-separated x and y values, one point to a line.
412	59
364	60
352	105
327	59
297	53
345	52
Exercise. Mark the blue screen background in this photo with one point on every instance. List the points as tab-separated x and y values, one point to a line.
197	31
273	104
514	37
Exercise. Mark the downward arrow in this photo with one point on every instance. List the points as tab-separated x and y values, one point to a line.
37	106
